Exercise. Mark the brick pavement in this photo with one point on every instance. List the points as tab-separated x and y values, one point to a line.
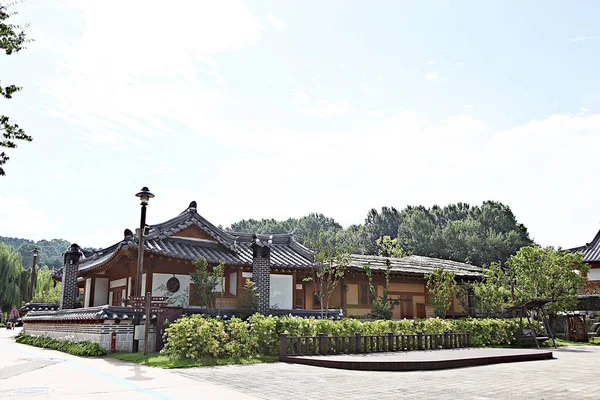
573	374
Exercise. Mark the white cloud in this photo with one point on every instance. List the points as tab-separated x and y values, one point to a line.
321	108
343	66
543	170
313	102
584	38
456	64
119	85
366	89
22	217
430	62
276	22
434	77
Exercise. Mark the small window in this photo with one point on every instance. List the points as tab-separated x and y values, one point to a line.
364	294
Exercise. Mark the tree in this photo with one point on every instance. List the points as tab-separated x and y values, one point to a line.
208	281
493	292
378	225
12	40
14	279
538	272
248	296
46	289
383	307
441	285
331	264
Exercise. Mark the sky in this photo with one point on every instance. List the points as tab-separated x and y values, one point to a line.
276	109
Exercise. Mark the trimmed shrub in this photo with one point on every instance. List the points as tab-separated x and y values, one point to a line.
200	336
77	348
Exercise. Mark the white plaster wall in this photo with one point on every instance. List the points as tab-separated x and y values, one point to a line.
110	297
233	283
128	287
88	291
282	287
101	292
594	274
118	282
179	298
143	284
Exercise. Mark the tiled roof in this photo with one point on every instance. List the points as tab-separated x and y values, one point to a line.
230	247
100	313
416	265
591	251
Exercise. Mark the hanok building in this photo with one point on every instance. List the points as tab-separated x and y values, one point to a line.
278	264
591	256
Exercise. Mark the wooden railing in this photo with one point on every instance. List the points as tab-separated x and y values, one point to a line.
355	344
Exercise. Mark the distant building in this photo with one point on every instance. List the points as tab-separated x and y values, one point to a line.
591	256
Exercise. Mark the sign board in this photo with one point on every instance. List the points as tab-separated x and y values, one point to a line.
139	332
159	298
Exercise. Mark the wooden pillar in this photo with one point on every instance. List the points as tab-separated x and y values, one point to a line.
92	290
148	282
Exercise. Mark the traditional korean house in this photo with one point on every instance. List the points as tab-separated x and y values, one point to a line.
278	265
170	248
591	256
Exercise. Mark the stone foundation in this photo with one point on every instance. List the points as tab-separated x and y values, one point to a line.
97	333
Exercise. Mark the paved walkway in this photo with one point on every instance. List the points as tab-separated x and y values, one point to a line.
47	374
31	373
572	375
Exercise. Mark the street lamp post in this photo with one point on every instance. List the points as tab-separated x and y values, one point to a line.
145	195
35	252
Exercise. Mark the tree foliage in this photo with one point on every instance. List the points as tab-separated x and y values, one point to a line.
383	306
51	251
459	232
441	285
331	264
14	279
12	40
208	281
493	292
539	272
46	289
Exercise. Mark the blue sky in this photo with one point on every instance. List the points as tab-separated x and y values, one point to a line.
275	109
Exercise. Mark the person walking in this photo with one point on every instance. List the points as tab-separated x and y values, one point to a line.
14	315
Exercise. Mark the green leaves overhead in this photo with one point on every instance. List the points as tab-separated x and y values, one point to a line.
12	40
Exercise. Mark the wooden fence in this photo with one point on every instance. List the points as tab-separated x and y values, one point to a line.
323	345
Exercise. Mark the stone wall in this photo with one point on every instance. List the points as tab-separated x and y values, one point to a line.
98	333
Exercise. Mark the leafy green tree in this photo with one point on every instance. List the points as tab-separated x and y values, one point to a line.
441	285
538	272
12	40
46	289
493	292
208	280
248	296
14	279
383	307
331	264
380	224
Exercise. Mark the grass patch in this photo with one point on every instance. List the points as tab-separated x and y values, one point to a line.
160	361
562	342
77	348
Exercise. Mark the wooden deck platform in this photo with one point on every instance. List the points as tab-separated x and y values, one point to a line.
422	360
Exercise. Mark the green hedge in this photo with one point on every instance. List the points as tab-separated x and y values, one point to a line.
197	336
77	348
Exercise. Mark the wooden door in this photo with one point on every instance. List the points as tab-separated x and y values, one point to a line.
421	311
117	298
